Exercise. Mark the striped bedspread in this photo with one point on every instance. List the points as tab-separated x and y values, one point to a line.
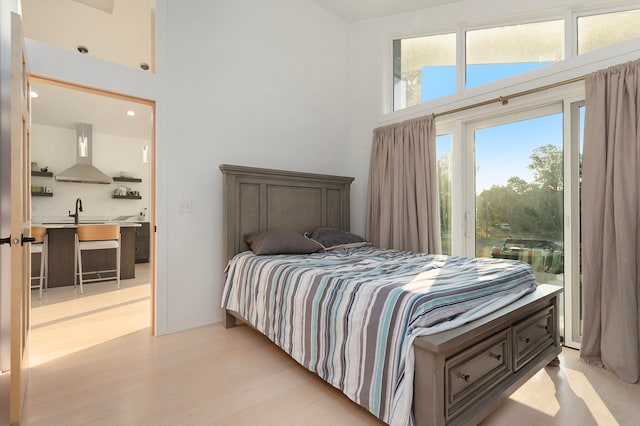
351	315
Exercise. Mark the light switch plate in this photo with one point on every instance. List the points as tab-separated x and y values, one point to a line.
185	207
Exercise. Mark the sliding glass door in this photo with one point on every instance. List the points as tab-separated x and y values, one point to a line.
519	167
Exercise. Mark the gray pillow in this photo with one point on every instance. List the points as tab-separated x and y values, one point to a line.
332	239
280	242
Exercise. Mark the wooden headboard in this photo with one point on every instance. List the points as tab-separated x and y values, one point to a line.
264	199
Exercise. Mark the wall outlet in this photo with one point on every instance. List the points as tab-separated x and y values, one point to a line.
185	207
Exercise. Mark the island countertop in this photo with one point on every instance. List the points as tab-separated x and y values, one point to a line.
61	253
57	225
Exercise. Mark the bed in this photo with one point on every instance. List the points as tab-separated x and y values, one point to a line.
457	374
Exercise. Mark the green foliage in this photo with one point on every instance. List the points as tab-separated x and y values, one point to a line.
444	183
531	209
546	163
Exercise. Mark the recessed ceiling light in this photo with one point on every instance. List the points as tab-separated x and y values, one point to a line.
33	94
131	113
83	49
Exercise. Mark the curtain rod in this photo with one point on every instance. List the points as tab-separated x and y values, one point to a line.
504	100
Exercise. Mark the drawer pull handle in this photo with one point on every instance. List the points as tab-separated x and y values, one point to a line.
525	339
496	356
546	327
464	377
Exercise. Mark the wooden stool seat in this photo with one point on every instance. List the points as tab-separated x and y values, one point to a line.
97	237
40	245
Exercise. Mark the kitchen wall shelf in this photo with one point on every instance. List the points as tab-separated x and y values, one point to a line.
42	194
126	179
128	197
43	174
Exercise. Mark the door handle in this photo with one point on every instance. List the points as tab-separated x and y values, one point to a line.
24	239
5	240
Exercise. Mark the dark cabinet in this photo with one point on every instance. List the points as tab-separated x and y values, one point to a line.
142	243
62	256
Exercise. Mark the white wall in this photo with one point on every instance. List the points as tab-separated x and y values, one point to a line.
54	147
370	67
250	83
238	82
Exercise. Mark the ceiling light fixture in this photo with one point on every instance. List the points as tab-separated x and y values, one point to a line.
33	94
131	113
83	49
83	144
145	153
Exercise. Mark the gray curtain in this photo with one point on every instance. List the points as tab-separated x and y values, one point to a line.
611	220
402	202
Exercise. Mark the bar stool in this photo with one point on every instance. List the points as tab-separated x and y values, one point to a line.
40	245
96	237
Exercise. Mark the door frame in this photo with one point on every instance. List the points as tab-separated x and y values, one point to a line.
20	219
469	160
572	223
152	175
462	128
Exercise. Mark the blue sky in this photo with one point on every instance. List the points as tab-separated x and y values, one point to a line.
439	81
502	151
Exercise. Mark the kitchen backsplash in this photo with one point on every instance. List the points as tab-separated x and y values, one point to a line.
54	148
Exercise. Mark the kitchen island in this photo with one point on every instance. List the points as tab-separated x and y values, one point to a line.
62	248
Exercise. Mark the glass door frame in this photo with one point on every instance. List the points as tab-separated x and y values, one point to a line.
469	163
572	249
463	192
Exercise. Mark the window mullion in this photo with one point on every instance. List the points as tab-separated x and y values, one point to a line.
461	61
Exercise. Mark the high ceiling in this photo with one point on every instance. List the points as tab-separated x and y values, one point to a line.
121	31
58	106
358	10
118	31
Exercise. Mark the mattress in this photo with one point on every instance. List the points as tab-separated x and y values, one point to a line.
351	315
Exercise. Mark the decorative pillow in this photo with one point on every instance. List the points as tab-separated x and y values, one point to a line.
332	239
280	242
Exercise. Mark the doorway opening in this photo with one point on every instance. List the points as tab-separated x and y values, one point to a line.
123	147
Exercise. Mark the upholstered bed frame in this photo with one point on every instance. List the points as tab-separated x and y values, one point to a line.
461	375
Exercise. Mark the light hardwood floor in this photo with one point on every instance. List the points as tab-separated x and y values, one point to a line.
95	363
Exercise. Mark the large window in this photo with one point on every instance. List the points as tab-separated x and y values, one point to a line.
424	68
598	31
519	193
430	67
497	53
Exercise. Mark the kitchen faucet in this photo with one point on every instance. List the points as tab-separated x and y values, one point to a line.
76	216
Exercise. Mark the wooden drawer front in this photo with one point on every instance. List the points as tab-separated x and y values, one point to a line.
533	335
470	374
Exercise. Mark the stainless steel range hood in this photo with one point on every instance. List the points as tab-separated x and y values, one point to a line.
84	171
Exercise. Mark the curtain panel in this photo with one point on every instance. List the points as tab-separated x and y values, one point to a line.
402	199
610	220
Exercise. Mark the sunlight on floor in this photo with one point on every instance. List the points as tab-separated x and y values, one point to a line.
544	381
574	393
64	321
585	391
